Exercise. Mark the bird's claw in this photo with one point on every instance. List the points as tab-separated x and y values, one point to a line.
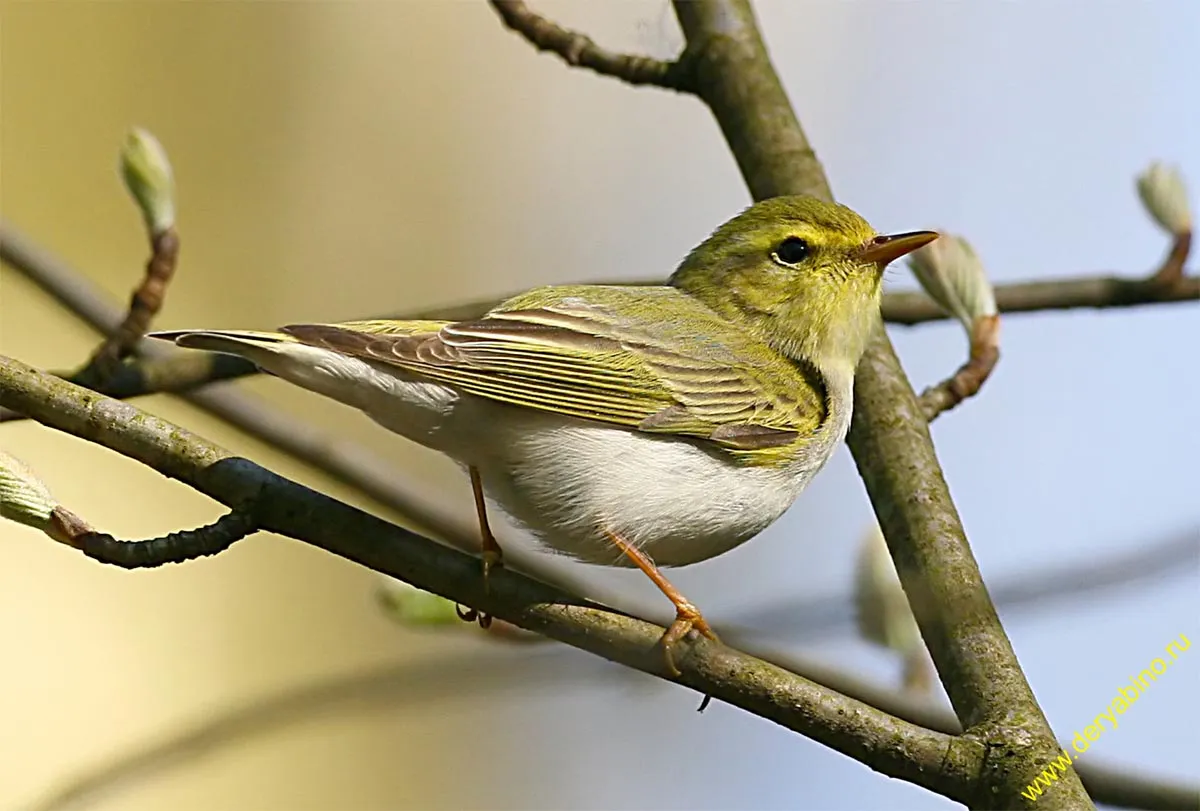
687	619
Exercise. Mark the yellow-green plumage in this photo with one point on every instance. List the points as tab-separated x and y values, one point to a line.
683	418
604	353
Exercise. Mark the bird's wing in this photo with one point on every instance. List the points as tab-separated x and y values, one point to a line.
585	352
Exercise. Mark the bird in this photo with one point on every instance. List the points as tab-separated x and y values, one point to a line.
627	425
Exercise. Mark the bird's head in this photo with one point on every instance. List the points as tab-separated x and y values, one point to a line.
803	274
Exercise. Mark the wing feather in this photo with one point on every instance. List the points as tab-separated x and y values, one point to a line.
578	354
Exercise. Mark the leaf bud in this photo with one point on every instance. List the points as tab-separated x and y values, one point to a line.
1164	196
951	273
24	498
882	609
413	607
148	176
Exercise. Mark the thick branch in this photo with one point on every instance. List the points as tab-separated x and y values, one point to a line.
931	759
578	50
888	438
975	661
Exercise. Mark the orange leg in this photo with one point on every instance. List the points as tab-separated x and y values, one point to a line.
493	555
687	616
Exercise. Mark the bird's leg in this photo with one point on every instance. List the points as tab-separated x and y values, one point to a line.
687	616
493	555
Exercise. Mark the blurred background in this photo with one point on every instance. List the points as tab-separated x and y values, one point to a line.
343	160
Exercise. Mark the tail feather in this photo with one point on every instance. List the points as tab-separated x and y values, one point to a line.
316	369
245	343
260	348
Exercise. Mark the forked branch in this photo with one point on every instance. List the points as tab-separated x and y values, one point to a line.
578	50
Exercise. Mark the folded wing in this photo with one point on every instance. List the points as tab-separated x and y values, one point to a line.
591	353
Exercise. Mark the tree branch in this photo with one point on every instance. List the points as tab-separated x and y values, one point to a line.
970	377
1170	273
889	440
1090	292
578	50
894	747
144	304
175	547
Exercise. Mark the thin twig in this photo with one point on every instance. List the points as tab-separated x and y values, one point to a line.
578	50
1171	271
1085	292
937	761
175	547
970	377
144	304
171	373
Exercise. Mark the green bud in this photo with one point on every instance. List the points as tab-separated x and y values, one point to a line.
411	606
883	613
23	496
1165	198
952	274
148	176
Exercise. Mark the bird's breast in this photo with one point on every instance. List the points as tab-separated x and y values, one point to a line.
570	481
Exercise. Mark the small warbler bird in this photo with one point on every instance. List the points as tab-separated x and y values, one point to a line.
627	425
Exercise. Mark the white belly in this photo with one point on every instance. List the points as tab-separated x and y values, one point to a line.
569	481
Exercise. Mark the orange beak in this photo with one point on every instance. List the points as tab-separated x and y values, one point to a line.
887	248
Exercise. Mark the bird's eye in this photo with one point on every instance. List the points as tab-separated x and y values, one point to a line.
792	251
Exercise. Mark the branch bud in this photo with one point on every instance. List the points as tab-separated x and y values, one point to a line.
1165	198
883	614
148	176
24	498
413	607
950	272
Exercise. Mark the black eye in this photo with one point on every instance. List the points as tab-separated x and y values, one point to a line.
792	251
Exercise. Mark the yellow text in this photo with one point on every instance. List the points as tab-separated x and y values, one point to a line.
1125	698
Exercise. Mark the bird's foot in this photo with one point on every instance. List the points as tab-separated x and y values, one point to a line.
493	558
687	619
473	615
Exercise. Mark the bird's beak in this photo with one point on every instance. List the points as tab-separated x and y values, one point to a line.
887	248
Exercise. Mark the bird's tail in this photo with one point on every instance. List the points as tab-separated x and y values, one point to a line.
245	343
310	367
